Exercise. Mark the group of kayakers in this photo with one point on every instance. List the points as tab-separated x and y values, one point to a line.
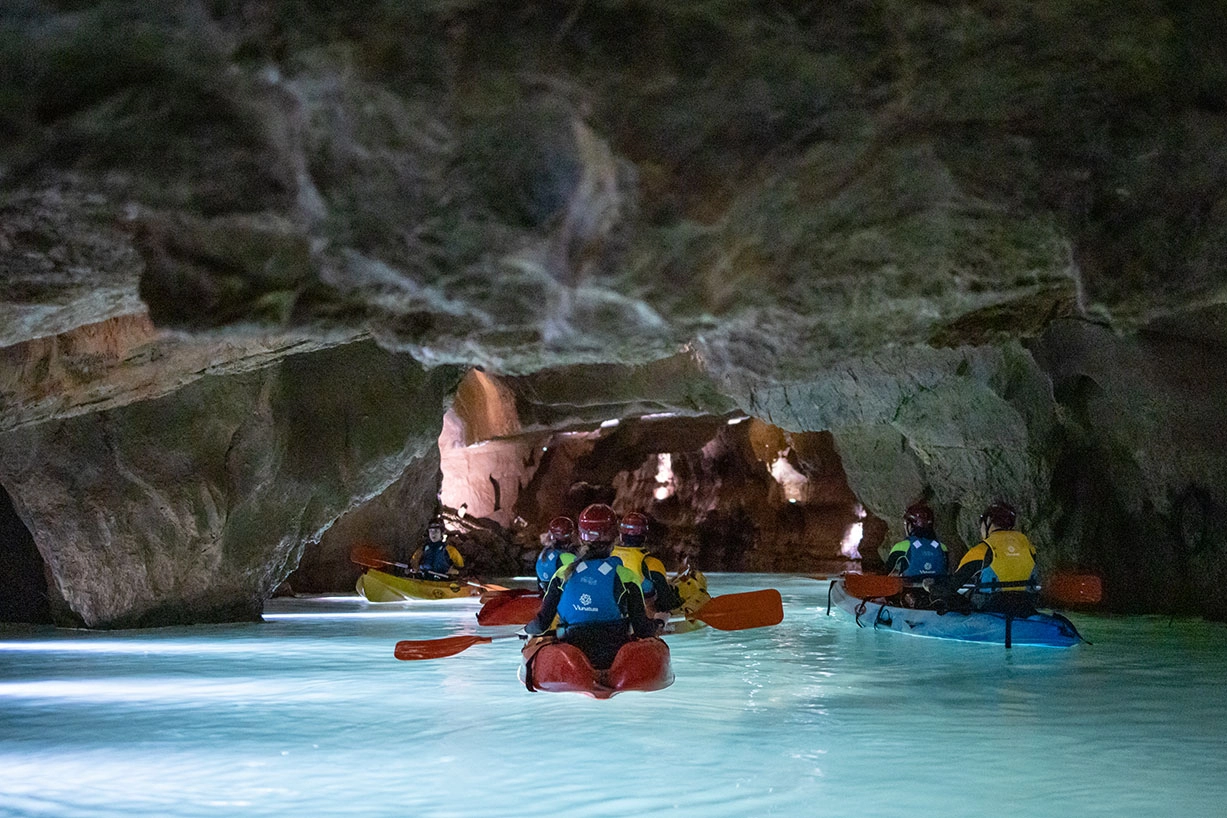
598	593
998	573
605	589
601	588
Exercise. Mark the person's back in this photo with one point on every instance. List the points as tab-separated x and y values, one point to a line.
648	569
920	559
921	555
1000	572
596	599
558	543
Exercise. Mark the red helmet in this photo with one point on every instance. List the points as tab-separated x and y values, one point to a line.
634	524
999	515
598	523
561	529
919	515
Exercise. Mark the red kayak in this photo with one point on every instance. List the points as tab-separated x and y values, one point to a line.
557	667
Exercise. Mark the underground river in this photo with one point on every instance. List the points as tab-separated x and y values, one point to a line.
309	714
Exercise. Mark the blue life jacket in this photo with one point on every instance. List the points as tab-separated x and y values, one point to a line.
435	559
588	595
925	558
548	564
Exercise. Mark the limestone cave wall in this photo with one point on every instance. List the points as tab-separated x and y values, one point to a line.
194	507
971	251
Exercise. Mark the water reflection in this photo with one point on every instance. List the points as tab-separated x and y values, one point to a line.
309	714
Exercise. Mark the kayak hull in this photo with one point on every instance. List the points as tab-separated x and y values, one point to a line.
378	586
1039	629
557	667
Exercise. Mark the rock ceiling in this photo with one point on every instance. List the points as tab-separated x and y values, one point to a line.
925	227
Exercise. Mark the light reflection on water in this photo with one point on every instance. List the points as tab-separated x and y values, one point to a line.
308	714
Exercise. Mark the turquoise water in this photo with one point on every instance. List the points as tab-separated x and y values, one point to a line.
308	714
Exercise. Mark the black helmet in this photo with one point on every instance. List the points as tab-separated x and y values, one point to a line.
999	515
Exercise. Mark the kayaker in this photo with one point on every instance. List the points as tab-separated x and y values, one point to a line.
650	571
920	559
596	598
999	573
557	542
436	559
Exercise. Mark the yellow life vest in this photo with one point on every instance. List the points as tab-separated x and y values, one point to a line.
632	558
1012	564
1013	556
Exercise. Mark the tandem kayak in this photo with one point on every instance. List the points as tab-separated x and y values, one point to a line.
377	586
1039	629
557	667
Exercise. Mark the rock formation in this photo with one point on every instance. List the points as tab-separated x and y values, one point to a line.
250	247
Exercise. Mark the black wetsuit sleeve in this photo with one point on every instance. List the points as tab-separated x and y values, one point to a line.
667	596
632	596
893	559
966	574
549	607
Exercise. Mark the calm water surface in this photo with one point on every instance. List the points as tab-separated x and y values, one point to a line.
308	714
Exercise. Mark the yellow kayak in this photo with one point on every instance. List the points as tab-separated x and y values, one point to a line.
691	586
377	586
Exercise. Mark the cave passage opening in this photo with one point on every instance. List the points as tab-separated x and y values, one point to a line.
25	598
721	492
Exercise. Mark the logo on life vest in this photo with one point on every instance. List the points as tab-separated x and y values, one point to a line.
585	599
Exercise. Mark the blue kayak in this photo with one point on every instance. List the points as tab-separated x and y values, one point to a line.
1039	629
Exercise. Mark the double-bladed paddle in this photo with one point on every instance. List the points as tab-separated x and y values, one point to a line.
729	612
1060	588
369	557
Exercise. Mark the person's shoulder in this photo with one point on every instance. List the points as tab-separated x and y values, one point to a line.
627	575
976	552
902	545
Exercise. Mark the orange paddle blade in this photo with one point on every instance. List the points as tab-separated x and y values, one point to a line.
436	648
736	612
872	586
1073	589
490	588
509	610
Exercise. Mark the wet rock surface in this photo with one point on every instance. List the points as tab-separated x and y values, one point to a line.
980	246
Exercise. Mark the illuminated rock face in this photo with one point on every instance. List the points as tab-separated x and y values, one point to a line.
963	264
195	506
